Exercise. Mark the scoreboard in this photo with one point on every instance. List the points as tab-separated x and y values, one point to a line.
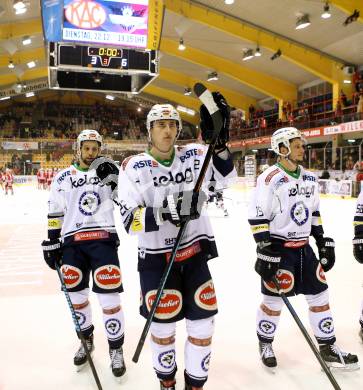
103	59
100	68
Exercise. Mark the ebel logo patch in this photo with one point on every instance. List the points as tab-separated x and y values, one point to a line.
180	177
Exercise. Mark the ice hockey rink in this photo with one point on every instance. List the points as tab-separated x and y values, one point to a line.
37	338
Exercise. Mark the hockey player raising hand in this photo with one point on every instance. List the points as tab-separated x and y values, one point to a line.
156	196
283	214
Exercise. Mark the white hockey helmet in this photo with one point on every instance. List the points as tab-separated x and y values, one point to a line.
88	135
160	112
283	136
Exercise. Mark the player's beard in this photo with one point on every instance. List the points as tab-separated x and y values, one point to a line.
87	161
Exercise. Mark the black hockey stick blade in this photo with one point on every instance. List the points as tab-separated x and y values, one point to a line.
305	333
78	328
217	122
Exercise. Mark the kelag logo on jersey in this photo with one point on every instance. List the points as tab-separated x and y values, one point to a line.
299	213
85	180
180	177
191	153
89	203
300	190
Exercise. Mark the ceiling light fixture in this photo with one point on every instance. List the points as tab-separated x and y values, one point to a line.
276	55
258	52
181	46
213	76
27	40
31	64
5	98
352	18
247	55
110	97
187	91
20	11
18	4
11	65
228	2
29	94
326	14
138	109
346	81
302	22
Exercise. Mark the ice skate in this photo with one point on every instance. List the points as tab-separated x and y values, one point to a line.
268	356
117	362
190	387
168	385
80	358
335	358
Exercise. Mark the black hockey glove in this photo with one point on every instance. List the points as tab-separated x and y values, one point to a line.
358	248
183	206
268	260
206	123
106	170
326	250
52	252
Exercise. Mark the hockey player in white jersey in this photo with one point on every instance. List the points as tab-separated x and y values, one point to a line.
358	245
82	238
155	191
283	213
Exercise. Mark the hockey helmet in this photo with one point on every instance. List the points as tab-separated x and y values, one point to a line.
88	135
284	136
160	112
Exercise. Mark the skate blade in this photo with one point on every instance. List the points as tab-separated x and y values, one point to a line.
339	367
120	379
81	367
270	370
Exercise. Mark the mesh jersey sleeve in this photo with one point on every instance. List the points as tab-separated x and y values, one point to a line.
358	216
56	211
136	217
260	211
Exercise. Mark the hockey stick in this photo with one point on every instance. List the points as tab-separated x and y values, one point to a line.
207	99
78	328
306	335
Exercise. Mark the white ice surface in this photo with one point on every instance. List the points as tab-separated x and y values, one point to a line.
37	339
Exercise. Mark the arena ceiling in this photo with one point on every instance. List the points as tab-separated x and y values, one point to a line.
216	35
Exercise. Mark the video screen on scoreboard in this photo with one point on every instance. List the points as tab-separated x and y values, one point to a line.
106	22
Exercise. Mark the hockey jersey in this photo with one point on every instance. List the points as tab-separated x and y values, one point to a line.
80	207
358	216
145	182
285	205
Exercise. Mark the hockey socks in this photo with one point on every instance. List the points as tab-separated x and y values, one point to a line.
268	317
197	360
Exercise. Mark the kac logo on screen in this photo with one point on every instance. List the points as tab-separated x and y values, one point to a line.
112	22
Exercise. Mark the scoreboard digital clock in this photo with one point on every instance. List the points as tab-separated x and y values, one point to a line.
103	59
104	54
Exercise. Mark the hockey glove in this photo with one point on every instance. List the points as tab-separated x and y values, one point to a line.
183	206
326	250
206	123
358	248
268	260
52	252
106	170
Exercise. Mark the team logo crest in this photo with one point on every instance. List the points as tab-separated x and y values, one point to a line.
113	326
205	363
167	359
81	318
267	327
299	213
89	203
326	325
